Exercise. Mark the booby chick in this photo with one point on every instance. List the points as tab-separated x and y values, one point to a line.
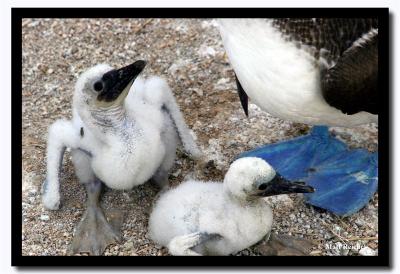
123	133
210	218
318	71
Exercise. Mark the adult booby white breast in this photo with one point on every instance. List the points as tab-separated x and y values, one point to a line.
319	71
210	218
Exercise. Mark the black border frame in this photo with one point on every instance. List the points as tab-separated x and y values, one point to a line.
383	259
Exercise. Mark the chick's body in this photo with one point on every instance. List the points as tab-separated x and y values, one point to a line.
206	207
130	154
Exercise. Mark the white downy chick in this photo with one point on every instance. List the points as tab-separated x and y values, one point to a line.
123	133
210	218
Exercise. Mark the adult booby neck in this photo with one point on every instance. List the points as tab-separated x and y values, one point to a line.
314	71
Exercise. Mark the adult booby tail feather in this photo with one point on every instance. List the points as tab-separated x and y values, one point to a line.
244	99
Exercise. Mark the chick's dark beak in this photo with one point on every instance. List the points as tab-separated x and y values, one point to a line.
279	185
117	80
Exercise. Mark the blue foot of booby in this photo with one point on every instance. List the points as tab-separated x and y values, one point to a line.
345	179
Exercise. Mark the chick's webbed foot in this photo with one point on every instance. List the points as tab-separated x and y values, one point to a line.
183	245
94	233
285	245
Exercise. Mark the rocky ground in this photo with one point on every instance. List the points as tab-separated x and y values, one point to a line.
189	54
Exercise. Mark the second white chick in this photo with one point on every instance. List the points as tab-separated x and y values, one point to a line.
209	218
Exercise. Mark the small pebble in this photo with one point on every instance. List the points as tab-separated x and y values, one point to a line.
344	252
367	251
32	192
176	173
359	222
128	246
44	217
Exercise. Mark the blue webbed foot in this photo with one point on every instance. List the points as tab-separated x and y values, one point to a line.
345	179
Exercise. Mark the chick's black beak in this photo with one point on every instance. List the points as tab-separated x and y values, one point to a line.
279	185
117	80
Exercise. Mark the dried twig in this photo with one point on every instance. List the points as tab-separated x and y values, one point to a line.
362	239
142	250
34	145
338	236
139	29
315	252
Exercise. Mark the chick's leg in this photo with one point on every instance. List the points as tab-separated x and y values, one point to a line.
94	232
61	134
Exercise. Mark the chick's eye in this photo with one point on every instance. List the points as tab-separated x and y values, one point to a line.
98	86
262	187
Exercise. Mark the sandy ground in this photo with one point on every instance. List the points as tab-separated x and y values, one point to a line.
189	54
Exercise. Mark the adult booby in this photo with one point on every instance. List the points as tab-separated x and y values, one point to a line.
320	71
123	133
210	218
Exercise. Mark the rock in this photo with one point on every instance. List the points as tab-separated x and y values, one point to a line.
373	245
328	236
344	252
198	91
180	64
74	50
223	84
44	217
367	251
206	51
209	24
128	246
337	228
127	197
32	192
282	201
176	173
359	222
